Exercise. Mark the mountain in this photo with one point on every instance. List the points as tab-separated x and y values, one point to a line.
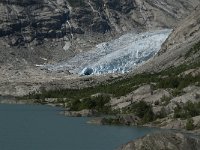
42	31
35	33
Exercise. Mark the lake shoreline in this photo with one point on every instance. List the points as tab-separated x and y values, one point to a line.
95	119
42	127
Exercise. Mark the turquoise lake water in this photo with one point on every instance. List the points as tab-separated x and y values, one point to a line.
35	127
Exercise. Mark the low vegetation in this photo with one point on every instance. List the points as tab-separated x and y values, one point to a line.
188	110
98	103
142	110
79	99
190	124
121	87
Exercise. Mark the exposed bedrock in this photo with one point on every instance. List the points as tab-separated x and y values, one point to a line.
163	140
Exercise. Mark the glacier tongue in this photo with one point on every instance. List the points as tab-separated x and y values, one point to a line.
117	56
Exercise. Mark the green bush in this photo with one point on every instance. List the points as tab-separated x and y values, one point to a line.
190	124
187	110
176	92
143	111
162	114
98	103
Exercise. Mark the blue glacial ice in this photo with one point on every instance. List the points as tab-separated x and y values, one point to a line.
117	56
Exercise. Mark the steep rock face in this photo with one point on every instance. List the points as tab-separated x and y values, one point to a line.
169	141
48	17
27	20
33	21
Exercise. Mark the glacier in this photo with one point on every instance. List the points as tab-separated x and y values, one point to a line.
120	55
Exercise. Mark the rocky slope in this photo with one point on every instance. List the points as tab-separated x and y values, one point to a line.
169	141
178	47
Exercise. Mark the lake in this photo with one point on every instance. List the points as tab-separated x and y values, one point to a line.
36	127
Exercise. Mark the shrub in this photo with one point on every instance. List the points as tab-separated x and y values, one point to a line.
156	103
187	110
190	124
75	105
176	92
162	114
143	111
141	108
99	103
